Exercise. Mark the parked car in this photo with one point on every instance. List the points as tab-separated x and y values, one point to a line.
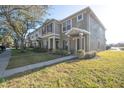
3	48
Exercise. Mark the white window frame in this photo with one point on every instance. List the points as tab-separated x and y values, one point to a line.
62	25
81	18
66	25
70	23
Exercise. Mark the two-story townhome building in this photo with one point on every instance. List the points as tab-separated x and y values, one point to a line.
32	38
81	30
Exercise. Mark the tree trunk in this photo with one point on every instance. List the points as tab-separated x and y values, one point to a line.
16	44
22	46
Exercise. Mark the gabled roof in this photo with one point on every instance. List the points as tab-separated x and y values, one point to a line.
49	20
88	9
74	14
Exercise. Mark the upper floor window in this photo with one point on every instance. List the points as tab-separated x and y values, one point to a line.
40	32
36	35
32	36
64	26
80	17
49	27
67	25
44	30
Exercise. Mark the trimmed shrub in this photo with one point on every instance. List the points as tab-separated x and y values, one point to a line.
2	80
89	55
80	53
50	50
39	50
61	52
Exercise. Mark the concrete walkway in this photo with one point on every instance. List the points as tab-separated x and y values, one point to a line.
38	65
4	60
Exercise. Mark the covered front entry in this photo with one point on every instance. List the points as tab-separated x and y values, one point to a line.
53	43
77	39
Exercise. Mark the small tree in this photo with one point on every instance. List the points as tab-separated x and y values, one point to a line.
20	18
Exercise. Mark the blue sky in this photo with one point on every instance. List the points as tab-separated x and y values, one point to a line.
106	14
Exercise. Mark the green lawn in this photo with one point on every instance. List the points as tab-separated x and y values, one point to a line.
105	71
19	59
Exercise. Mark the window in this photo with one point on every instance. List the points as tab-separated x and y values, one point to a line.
67	25
36	35
80	17
49	27
44	30
64	26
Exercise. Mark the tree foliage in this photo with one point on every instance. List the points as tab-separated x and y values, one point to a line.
19	18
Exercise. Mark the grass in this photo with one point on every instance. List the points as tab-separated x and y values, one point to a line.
105	71
19	59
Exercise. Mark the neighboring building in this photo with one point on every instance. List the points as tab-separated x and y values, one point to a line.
32	38
82	30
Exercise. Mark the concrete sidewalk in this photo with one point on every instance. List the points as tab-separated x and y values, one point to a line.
4	60
37	65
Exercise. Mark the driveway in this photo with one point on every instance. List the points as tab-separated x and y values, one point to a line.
4	60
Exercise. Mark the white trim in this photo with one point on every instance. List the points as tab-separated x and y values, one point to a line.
77	29
71	23
53	36
49	43
50	35
54	27
54	43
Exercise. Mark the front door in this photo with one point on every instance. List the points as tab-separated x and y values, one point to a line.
78	44
57	44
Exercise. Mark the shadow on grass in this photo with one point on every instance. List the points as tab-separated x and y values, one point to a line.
21	74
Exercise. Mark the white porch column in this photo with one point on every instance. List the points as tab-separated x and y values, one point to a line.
54	43
48	43
84	43
81	41
68	43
